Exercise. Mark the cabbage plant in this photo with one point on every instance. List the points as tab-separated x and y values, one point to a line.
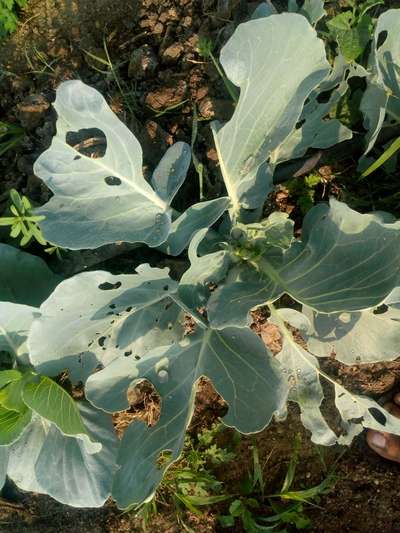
102	334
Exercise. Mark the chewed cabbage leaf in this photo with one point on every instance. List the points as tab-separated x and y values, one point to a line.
98	198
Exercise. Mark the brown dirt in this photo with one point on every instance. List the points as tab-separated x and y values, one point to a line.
152	44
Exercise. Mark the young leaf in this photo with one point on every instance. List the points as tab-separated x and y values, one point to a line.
8	376
204	271
242	371
196	217
171	171
12	423
49	400
24	278
11	395
119	314
46	461
97	200
274	85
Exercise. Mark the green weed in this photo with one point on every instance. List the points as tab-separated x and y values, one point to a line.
23	223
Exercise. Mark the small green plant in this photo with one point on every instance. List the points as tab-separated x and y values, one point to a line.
303	190
352	28
190	483
8	15
290	512
24	223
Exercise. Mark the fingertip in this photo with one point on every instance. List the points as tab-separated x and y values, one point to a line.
376	440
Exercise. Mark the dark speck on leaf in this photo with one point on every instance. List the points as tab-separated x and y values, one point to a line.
377	415
112	180
109	286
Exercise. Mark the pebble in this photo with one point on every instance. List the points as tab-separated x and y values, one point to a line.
143	63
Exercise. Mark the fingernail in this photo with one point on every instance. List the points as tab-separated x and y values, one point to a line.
378	440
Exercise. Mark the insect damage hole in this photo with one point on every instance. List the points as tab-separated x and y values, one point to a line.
90	142
381	39
112	180
380	310
377	415
107	286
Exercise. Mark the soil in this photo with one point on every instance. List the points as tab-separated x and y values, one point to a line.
156	80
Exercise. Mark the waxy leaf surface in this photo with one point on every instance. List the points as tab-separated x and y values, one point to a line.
274	84
46	461
101	199
118	315
345	261
242	371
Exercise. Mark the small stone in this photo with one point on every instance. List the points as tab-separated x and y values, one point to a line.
158	28
201	93
32	111
173	14
166	96
143	63
172	53
215	108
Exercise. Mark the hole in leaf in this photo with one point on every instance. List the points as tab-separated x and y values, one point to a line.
77	157
128	353
90	142
129	309
101	341
112	306
377	415
165	288
110	286
380	310
112	180
137	357
381	39
300	123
